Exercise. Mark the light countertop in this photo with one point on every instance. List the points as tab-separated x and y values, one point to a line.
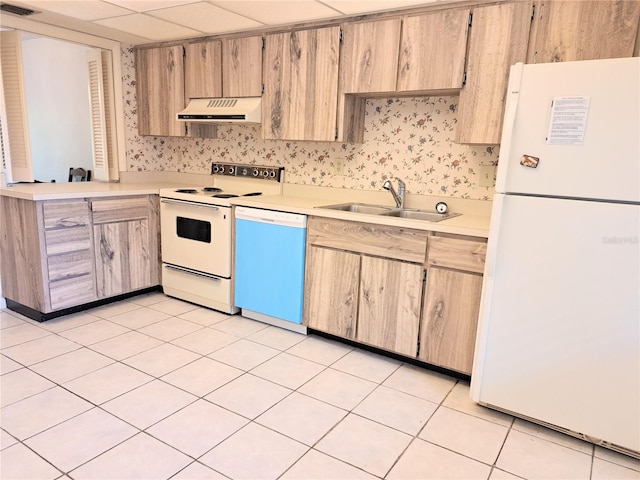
64	190
473	221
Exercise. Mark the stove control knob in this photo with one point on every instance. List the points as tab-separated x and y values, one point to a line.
245	172
231	170
215	169
265	173
255	172
272	174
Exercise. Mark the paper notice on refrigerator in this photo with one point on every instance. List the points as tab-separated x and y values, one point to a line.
568	120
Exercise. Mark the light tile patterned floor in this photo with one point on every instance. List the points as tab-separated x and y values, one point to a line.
157	388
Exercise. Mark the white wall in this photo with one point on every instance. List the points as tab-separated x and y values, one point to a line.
57	87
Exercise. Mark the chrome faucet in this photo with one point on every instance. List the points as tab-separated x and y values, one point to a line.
398	197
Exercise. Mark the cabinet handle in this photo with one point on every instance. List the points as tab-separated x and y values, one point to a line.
192	272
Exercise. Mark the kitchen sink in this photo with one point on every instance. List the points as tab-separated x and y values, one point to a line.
424	215
360	208
420	215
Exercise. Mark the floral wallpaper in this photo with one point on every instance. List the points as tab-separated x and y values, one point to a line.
407	138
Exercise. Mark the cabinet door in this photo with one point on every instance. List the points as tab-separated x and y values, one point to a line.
331	291
242	67
123	260
126	238
497	40
450	318
160	90
203	69
432	51
586	30
368	64
301	85
389	307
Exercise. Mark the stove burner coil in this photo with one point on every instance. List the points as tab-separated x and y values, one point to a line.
224	195
186	190
211	189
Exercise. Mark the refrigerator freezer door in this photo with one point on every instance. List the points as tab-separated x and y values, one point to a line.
559	331
606	163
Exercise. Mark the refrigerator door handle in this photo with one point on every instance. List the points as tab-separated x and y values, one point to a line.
511	108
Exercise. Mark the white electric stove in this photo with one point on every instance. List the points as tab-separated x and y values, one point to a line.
196	231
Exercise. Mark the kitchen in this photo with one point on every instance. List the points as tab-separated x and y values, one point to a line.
298	157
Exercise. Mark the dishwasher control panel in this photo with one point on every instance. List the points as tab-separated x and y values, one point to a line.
250	171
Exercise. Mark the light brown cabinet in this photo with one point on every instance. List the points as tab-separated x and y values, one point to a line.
125	232
301	85
389	305
203	69
432	51
498	39
46	254
242	67
365	282
583	30
368	65
160	90
452	302
331	291
53	252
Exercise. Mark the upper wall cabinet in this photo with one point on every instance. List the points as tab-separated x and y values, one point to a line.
498	39
586	30
432	51
203	69
301	85
160	90
368	64
242	67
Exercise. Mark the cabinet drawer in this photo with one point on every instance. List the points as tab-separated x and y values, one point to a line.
378	240
65	214
72	291
70	265
458	253
120	209
65	240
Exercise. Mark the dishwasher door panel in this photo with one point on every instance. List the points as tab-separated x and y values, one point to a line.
269	268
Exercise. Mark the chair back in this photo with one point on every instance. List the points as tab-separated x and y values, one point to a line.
79	175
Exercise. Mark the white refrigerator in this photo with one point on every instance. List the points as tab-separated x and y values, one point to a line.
559	330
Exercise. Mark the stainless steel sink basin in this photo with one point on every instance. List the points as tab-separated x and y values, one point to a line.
420	215
360	208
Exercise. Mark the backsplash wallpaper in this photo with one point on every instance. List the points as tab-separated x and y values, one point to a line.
407	138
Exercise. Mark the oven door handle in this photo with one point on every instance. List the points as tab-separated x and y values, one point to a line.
192	272
189	204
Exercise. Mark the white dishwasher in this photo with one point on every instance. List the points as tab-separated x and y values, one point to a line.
269	266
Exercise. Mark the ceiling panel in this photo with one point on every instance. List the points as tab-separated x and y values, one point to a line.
206	17
148	27
276	12
354	7
146	5
81	9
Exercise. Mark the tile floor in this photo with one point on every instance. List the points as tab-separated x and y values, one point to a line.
156	388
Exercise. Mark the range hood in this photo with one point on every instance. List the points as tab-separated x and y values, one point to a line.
222	110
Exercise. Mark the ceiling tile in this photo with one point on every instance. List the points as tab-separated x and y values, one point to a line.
81	9
272	12
148	27
352	7
206	17
146	5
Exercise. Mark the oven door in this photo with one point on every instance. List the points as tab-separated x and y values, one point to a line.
196	236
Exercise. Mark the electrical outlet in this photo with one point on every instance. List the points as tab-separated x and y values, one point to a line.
338	166
487	175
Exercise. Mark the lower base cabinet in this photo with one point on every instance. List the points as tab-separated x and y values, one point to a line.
58	254
450	319
331	291
389	306
381	286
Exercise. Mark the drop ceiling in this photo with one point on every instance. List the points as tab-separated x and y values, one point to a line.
147	21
